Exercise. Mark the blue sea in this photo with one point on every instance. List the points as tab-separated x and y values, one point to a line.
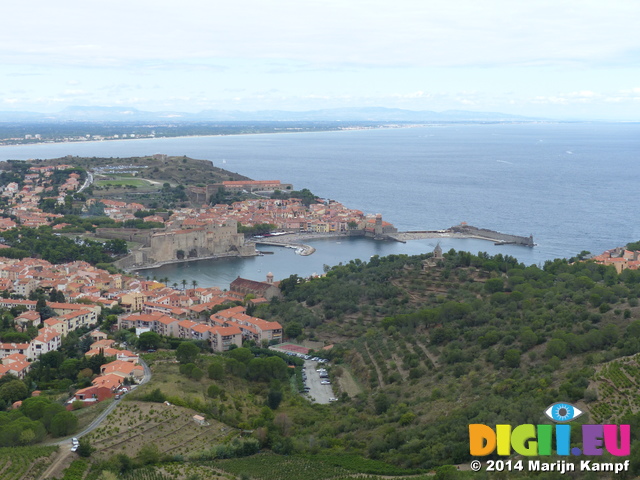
571	185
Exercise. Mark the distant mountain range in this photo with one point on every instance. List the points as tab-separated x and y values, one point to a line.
368	114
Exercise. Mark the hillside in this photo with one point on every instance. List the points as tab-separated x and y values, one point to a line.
179	170
473	339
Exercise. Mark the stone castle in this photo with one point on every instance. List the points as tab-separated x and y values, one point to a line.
167	245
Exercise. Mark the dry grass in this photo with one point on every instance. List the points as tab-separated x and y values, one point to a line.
171	428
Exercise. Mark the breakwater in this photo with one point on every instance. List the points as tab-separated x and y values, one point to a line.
295	240
466	231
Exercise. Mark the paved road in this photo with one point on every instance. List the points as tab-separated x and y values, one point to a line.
98	420
87	182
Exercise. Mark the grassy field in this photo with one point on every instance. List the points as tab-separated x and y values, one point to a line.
171	428
125	182
239	402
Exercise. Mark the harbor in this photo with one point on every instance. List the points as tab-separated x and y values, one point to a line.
463	231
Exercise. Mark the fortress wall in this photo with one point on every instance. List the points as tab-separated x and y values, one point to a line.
127	234
212	240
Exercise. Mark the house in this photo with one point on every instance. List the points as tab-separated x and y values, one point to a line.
97	335
91	395
58	325
260	289
16	364
184	328
166	325
26	318
47	341
252	327
123	369
102	344
221	338
7	349
199	419
132	301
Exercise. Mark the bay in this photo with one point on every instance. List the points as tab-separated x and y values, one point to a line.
572	185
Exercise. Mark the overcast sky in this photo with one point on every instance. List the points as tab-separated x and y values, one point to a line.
560	59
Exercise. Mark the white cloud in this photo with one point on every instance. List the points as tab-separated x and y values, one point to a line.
327	32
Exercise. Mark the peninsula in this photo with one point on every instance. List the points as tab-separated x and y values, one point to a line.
176	209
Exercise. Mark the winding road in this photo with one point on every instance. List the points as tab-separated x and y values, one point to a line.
98	420
66	443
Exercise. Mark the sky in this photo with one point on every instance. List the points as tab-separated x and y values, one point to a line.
562	59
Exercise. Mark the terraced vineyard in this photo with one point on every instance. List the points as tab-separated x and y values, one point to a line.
24	463
618	383
171	428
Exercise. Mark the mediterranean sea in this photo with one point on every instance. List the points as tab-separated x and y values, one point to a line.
572	185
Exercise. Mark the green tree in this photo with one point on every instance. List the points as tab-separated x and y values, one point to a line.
84	448
215	371
274	398
187	352
196	374
154	396
63	423
512	358
13	391
242	354
149	454
293	330
149	340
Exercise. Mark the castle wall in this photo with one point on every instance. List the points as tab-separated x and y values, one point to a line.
163	245
128	234
201	242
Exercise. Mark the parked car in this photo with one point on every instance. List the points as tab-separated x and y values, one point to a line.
325	382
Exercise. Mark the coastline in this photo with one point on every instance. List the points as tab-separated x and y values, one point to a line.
295	241
351	129
152	266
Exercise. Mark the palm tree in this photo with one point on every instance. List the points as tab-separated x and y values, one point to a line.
184	283
175	285
194	283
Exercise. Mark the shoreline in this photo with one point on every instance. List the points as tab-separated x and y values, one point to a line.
294	241
136	268
352	129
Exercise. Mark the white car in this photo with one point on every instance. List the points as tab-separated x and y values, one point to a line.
325	382
333	399
75	441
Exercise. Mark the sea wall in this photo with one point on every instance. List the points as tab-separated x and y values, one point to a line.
484	233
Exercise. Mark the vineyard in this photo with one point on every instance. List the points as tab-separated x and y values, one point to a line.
171	428
262	467
275	467
390	360
618	383
24	463
76	470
